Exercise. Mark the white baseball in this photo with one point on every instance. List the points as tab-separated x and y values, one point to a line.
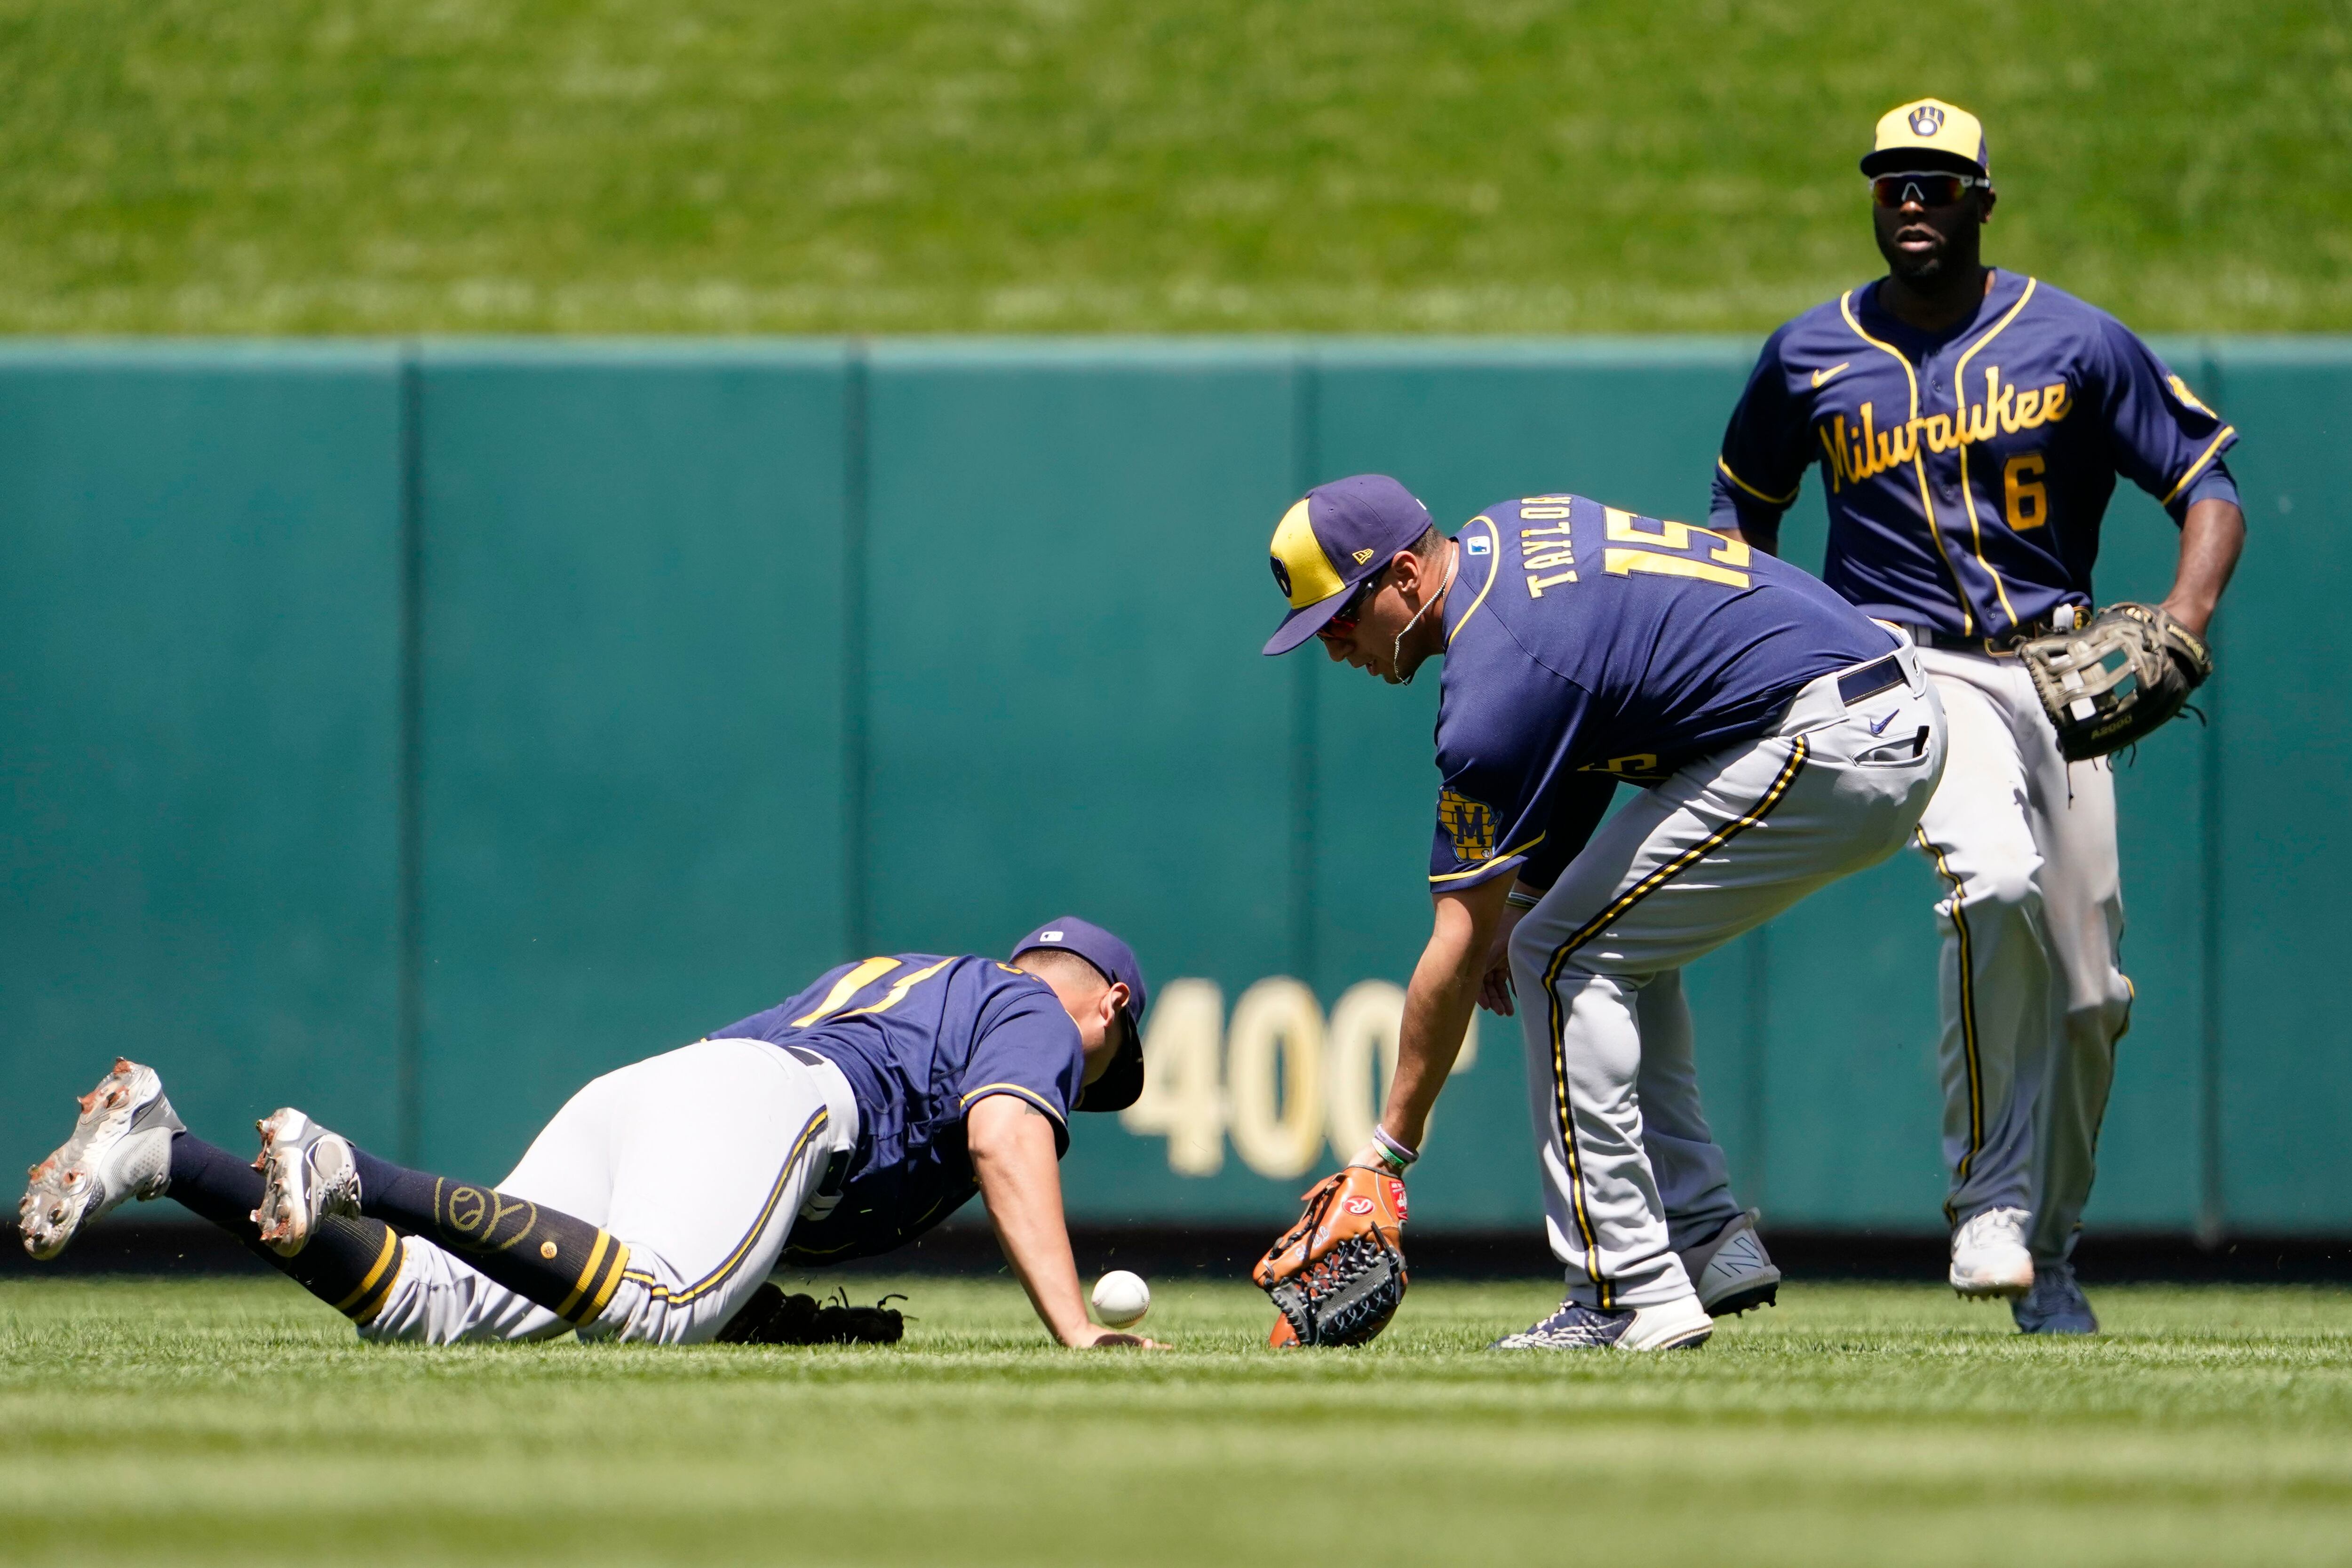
1121	1298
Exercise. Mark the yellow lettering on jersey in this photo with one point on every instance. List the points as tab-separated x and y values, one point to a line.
1854	455
1621	530
1542	548
1624	563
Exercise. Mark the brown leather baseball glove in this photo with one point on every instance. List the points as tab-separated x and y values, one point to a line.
2107	684
1338	1274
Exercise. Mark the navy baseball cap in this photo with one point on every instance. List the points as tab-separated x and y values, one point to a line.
1122	1081
1328	544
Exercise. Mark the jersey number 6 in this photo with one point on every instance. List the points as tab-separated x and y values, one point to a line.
1683	561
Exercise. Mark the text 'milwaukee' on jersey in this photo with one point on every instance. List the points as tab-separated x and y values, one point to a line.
1585	644
1966	470
922	1039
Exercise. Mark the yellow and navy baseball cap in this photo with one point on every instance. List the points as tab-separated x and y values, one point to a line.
1121	1084
1329	543
1928	134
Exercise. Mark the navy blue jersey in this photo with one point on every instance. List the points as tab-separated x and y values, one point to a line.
1586	645
1968	470
922	1039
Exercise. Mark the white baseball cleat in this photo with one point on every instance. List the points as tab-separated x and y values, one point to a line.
307	1173
1732	1273
1676	1325
120	1149
1989	1255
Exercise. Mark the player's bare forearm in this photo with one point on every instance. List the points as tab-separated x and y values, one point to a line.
1438	1001
1012	1156
2212	537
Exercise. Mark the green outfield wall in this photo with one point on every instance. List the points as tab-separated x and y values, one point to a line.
410	733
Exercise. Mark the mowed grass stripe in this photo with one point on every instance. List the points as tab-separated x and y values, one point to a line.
1350	165
1855	1425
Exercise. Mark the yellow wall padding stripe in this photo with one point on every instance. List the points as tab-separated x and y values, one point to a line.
1798	751
848	986
378	1283
734	1259
1751	490
2198	466
1968	1018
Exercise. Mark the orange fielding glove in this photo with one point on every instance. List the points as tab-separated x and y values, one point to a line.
1338	1274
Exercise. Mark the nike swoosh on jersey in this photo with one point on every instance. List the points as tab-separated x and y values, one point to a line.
1821	376
1880	727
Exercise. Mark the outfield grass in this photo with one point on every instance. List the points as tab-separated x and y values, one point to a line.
236	1421
1380	165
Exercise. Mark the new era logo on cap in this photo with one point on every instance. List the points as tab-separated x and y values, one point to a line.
1362	556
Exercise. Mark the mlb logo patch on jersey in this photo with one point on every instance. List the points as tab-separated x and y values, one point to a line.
1480	545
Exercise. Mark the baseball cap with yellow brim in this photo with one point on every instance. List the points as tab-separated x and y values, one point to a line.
1326	546
1928	134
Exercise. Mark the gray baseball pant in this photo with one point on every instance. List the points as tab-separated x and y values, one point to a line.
1631	1170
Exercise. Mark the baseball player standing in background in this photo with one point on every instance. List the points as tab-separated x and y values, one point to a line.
839	1123
1969	424
1787	742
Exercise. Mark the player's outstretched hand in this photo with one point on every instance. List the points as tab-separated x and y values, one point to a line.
1102	1339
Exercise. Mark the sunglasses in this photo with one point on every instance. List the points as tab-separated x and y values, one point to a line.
1351	615
1929	189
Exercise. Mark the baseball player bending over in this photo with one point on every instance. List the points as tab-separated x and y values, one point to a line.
1785	739
838	1124
1970	424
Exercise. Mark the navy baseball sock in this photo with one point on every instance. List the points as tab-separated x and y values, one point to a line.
349	1264
566	1265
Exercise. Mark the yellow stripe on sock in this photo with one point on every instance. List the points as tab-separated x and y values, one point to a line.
587	1275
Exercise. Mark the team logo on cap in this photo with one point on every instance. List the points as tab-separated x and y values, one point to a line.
1281	574
1926	120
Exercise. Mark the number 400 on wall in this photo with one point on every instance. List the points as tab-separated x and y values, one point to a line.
1279	1077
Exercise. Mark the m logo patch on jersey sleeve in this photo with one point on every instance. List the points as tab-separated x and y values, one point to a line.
2180	390
1469	822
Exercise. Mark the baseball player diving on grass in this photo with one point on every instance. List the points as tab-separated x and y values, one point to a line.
1969	424
840	1123
1782	739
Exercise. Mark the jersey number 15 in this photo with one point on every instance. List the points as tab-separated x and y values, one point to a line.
1676	550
